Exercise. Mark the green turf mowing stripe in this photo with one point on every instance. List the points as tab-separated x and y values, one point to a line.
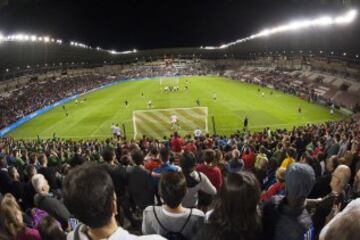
195	122
149	124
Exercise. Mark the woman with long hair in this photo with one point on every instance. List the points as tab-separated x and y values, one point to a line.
13	220
235	215
195	181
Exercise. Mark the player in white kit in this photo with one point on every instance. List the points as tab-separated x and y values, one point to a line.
173	121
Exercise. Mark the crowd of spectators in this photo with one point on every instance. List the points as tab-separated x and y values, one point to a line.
294	184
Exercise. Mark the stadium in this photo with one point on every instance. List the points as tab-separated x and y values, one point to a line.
246	135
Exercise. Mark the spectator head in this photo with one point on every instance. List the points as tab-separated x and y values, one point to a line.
280	175
40	184
262	150
291	152
164	154
347	158
50	229
43	160
12	214
137	157
218	155
90	196
154	150
208	156
30	171
14	174
187	162
3	162
331	163
237	205
299	181
125	160
172	188
356	185
344	226
235	154
108	155
340	178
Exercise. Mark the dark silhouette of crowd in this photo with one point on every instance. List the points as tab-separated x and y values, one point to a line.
302	183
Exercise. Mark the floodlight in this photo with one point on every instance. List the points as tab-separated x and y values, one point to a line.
19	37
1	37
347	18
134	50
33	38
46	39
40	39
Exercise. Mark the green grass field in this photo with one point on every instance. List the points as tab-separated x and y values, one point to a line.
93	118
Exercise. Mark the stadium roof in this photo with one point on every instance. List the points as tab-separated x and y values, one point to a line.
333	35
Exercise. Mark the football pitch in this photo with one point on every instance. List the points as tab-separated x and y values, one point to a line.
93	117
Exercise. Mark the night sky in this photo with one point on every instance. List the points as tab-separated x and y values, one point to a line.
148	24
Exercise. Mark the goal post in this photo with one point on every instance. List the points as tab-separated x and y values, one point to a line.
156	123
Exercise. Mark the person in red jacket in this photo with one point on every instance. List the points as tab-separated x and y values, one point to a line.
210	169
176	143
276	188
248	157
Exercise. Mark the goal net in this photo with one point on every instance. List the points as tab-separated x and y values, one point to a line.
169	82
156	123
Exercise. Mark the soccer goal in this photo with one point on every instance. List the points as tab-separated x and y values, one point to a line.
156	123
169	82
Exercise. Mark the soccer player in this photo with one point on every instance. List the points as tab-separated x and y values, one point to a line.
126	103
198	102
197	133
246	122
263	94
173	121
150	104
117	132
299	110
76	101
142	94
214	96
113	129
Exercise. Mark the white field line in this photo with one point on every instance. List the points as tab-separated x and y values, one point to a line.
168	109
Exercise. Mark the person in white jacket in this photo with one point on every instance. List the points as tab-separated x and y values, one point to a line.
195	181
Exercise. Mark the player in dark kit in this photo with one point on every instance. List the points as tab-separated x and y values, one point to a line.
66	112
246	122
126	103
299	110
198	102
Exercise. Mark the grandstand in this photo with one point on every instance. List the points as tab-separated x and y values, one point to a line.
252	139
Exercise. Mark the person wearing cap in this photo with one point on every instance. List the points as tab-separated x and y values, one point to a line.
285	217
